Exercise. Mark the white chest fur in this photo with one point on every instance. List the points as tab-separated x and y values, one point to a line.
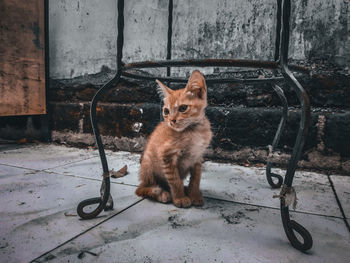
194	149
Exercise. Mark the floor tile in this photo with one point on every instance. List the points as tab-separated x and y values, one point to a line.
38	212
43	156
219	232
249	185
226	181
9	171
342	188
92	168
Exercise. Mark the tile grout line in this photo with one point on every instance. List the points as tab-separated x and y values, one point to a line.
46	169
209	197
87	178
214	198
85	231
61	165
20	167
73	162
273	208
339	203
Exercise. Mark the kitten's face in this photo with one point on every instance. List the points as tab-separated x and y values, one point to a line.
185	107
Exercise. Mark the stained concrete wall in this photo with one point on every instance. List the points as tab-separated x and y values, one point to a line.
83	32
81	37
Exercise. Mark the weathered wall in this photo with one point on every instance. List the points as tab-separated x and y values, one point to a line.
244	118
83	33
322	31
82	36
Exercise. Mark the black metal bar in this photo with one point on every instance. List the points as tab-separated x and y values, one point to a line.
105	187
280	93
208	80
244	63
168	55
120	37
170	34
46	119
276	139
102	201
203	63
289	225
278	30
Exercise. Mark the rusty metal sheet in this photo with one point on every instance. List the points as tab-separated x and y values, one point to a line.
22	57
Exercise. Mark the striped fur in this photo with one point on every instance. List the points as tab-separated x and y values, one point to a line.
176	146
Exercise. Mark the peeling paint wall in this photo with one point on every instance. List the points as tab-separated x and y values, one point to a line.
83	33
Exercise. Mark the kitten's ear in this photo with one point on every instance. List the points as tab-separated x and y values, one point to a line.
196	86
163	90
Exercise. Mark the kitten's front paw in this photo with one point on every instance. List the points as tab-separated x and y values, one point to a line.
197	198
182	202
164	197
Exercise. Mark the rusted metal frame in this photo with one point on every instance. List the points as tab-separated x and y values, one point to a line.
208	80
282	97
203	63
105	187
290	225
211	62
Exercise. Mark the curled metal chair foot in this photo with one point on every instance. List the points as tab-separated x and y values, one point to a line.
290	226
88	202
105	201
101	201
271	182
288	197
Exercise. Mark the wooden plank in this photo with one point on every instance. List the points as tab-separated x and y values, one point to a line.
22	57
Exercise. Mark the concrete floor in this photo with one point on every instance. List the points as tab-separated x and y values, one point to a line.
41	185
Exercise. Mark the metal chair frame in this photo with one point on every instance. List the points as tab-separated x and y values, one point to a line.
280	63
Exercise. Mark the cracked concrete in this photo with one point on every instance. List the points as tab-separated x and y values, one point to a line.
41	185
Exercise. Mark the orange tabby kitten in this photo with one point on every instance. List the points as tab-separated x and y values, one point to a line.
176	146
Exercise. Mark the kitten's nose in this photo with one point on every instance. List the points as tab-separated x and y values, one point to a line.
173	121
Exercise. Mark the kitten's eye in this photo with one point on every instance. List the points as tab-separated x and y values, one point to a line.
183	108
166	111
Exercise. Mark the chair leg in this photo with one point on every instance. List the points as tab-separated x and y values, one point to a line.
290	225
105	201
269	174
